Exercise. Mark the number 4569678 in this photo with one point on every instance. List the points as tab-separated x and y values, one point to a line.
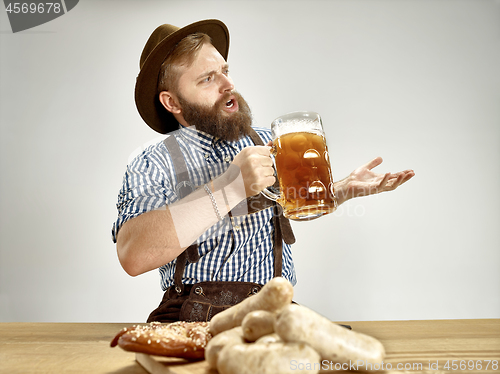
33	8
471	365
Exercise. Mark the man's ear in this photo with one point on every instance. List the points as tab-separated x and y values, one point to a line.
169	101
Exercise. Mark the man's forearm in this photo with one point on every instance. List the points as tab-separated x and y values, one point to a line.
195	214
157	237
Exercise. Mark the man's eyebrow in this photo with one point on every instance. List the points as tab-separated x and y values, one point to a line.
208	73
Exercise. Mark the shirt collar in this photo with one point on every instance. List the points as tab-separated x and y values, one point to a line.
202	140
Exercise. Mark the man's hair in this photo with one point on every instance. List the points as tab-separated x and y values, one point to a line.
183	53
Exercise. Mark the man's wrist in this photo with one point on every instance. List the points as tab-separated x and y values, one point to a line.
230	187
341	189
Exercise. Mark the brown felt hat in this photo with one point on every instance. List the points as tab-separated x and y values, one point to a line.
161	42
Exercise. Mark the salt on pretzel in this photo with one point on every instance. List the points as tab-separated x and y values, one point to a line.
179	339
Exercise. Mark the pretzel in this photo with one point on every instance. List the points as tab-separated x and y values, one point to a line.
179	339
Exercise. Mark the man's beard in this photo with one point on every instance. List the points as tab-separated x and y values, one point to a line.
214	121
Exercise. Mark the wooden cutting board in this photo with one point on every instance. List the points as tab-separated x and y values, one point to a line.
169	365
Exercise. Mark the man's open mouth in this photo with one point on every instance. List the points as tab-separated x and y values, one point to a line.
231	105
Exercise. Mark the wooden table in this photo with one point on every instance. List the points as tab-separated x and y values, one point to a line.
413	345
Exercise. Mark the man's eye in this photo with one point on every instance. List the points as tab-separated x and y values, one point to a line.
207	79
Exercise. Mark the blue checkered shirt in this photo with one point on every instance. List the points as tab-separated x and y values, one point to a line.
236	248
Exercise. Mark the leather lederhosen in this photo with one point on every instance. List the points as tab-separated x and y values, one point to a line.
201	301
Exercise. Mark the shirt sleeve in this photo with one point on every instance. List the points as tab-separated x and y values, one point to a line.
145	187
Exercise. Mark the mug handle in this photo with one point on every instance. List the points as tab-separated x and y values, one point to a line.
272	193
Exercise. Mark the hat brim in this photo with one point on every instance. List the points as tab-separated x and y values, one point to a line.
146	98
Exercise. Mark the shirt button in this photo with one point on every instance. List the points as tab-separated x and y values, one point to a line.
207	155
227	159
237	228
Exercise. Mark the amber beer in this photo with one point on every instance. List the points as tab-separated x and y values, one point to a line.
303	167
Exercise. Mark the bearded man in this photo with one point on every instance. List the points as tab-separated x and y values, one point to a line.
191	205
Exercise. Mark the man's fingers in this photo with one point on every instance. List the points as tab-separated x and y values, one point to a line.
401	178
384	182
270	180
373	163
261	183
395	182
266	162
264	150
407	176
267	171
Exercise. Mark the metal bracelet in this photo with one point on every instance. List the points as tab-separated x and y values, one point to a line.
214	203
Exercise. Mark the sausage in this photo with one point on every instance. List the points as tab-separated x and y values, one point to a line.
274	358
215	345
333	342
273	297
258	323
271	338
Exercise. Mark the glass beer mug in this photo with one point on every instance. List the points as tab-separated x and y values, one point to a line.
302	166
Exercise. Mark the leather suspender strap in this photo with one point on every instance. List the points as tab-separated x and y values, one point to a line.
278	243
183	188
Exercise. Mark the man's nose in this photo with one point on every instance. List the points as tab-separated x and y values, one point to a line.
226	83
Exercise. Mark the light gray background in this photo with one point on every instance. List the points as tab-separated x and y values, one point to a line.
416	82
